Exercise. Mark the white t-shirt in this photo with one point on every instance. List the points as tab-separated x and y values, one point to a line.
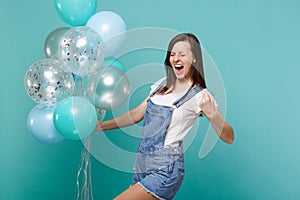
183	117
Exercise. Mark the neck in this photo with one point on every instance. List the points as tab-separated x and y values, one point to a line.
182	85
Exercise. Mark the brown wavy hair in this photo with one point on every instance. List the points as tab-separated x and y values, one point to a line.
196	72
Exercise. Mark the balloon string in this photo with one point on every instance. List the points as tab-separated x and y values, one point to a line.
79	85
90	182
84	175
78	175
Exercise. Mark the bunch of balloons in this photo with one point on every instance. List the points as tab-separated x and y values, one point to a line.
67	107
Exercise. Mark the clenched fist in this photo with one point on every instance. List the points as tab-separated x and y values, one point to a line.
207	104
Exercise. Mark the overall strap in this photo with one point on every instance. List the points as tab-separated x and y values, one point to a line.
163	83
188	95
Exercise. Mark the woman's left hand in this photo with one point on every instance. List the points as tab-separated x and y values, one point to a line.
211	111
207	104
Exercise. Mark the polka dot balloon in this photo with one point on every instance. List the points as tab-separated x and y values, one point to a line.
47	83
81	50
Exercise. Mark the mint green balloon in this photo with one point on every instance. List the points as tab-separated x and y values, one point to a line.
75	118
76	12
113	62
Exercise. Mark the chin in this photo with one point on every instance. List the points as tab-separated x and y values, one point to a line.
181	77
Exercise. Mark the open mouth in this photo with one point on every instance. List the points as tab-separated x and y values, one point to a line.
178	67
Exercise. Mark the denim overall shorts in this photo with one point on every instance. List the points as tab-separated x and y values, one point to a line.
160	170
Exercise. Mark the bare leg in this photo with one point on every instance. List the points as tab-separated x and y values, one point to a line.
135	192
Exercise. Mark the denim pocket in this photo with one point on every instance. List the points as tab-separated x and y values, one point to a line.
180	167
155	163
153	123
176	169
154	118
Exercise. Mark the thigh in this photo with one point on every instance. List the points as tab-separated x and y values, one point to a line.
135	192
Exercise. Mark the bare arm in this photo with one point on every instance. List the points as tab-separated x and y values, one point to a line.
126	119
216	119
221	126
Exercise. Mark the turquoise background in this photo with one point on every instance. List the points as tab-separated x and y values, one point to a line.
256	46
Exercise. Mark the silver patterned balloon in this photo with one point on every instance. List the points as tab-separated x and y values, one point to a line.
108	88
53	41
100	114
47	83
82	50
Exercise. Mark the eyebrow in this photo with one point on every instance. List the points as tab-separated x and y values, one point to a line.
181	52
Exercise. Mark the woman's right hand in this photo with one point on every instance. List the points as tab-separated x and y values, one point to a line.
98	127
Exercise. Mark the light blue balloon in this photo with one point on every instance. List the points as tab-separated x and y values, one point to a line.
113	62
75	12
75	118
40	125
112	29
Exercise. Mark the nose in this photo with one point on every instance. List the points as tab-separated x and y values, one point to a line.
176	57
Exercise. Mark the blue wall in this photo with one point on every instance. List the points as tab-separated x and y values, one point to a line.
256	47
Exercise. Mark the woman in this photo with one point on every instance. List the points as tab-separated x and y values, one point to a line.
169	112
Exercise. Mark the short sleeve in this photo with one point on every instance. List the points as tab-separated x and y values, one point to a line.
156	84
199	99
